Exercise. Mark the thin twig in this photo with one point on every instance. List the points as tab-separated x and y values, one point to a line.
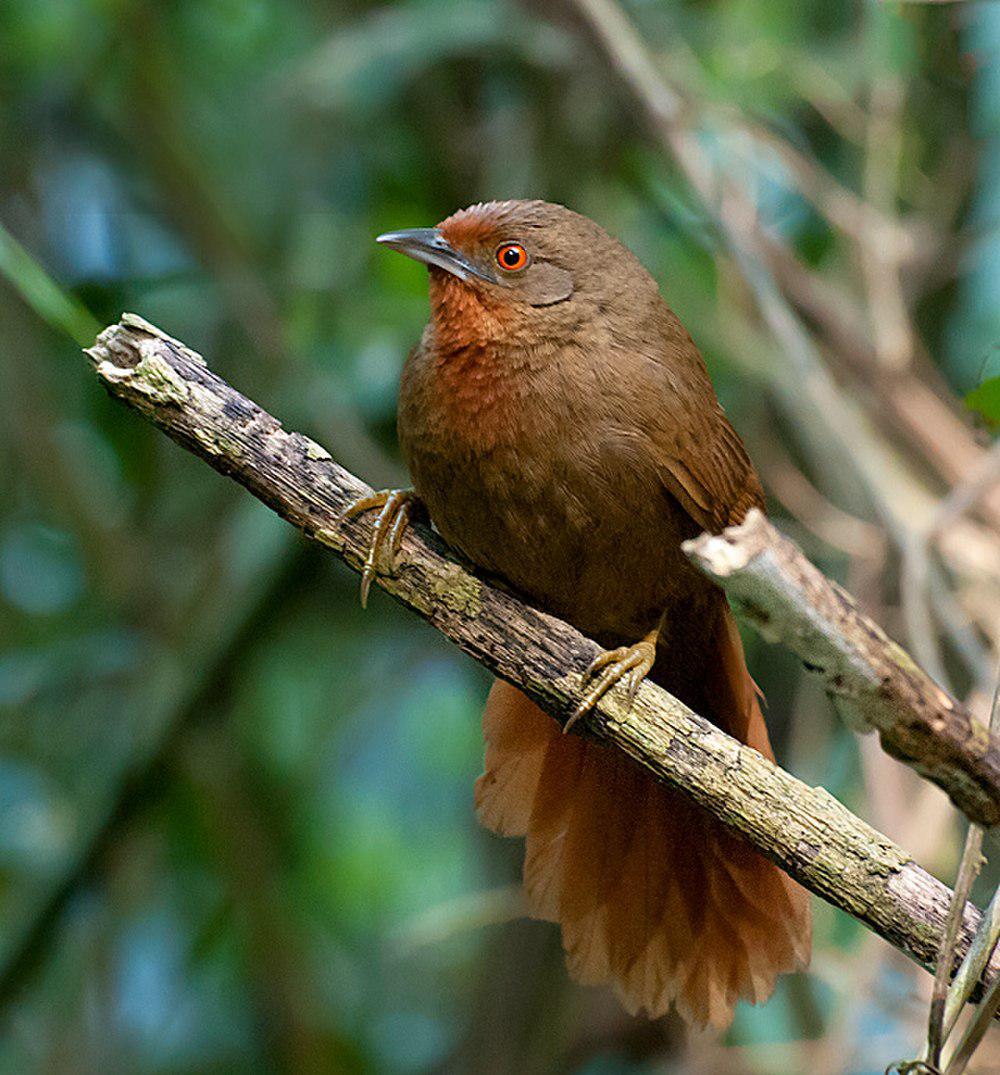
974	1034
888	313
966	495
915	601
969	972
983	944
968	870
946	1004
839	529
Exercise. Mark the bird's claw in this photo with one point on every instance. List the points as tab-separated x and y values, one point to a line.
631	663
387	534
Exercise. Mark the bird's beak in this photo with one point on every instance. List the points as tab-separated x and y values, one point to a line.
432	248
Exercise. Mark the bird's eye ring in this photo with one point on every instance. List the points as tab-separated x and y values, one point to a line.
511	257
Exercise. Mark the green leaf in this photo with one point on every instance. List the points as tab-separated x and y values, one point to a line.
986	400
54	305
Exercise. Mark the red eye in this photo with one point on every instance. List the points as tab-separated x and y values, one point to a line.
512	256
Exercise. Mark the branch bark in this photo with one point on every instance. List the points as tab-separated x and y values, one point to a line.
805	830
874	683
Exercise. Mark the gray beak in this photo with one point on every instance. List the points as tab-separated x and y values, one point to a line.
430	246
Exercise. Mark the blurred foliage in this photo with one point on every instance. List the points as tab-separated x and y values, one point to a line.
986	399
235	811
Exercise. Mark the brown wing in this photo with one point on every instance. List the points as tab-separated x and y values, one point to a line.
701	460
707	469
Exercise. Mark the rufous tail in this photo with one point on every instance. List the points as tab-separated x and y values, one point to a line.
652	894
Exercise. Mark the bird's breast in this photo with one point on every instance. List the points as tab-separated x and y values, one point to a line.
525	480
475	403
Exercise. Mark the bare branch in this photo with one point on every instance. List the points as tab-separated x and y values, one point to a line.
945	1013
968	870
874	682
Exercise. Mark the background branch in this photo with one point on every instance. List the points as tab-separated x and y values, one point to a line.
874	683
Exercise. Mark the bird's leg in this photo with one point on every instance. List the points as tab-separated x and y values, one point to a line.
396	510
631	663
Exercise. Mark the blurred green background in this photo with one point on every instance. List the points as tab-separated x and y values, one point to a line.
236	828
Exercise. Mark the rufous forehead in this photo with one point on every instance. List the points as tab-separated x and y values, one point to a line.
471	227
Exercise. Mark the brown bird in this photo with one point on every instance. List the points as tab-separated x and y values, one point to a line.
562	431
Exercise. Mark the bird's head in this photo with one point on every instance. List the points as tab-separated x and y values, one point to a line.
502	269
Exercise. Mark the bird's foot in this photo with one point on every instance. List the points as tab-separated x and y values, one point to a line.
628	663
396	510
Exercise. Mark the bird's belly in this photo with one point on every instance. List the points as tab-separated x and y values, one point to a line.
595	546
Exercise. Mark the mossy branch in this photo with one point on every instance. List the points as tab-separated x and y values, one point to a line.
805	830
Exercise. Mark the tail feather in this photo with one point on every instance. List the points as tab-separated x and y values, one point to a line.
653	894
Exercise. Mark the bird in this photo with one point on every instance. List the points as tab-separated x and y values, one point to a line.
563	434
